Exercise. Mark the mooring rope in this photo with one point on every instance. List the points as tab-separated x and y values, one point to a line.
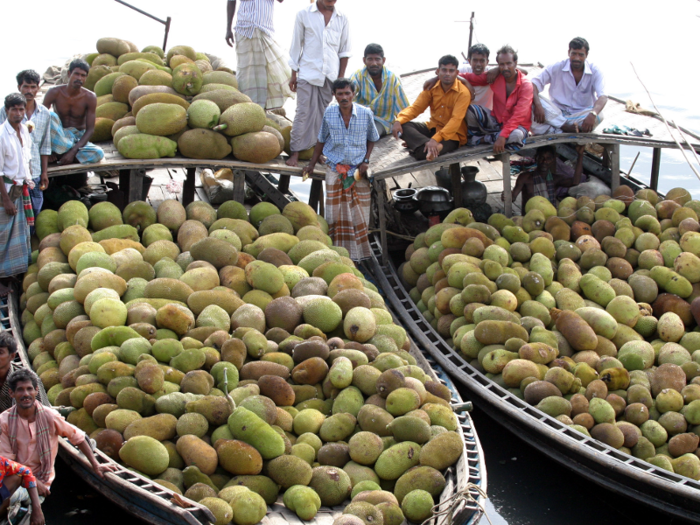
462	497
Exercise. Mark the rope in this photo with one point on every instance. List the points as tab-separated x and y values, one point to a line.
456	500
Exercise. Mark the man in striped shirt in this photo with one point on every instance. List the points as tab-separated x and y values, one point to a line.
379	89
262	70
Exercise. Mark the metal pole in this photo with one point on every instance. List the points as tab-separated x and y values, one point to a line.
149	15
655	165
167	30
471	31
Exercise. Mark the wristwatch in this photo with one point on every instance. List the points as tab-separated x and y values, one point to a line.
366	161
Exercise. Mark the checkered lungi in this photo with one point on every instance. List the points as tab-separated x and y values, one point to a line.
262	70
14	241
483	128
63	139
347	214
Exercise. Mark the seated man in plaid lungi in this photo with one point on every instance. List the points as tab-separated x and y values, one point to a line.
346	138
73	122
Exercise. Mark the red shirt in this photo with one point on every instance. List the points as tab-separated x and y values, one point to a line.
512	111
10	468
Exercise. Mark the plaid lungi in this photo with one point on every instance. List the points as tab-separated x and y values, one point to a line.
483	128
347	214
63	139
262	70
14	242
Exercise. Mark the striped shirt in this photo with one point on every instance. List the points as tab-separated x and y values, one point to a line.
41	136
254	14
347	145
385	104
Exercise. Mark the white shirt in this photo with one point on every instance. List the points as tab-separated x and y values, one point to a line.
254	14
15	156
316	47
563	90
483	96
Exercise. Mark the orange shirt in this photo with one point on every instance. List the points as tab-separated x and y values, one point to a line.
447	111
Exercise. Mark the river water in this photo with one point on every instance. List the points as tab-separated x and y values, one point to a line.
525	486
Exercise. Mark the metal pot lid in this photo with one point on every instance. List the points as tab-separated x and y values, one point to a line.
434	194
404	193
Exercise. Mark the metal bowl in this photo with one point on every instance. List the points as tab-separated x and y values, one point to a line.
434	194
404	194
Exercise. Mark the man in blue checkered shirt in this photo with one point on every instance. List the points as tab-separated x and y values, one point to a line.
28	84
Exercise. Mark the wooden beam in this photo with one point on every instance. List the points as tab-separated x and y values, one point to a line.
188	187
283	185
381	203
456	184
655	165
239	186
613	151
134	189
315	194
507	190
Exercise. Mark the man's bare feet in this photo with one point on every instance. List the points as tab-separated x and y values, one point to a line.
293	160
430	157
570	128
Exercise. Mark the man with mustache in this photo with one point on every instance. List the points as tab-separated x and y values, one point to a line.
73	122
576	94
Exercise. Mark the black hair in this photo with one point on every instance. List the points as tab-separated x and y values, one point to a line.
578	43
507	49
448	60
28	76
374	49
7	341
546	149
23	374
79	63
14	99
342	83
479	49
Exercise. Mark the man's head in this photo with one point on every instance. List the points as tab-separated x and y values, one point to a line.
478	58
78	71
578	52
546	158
507	59
344	92
448	69
8	349
15	107
28	83
328	5
23	385
374	59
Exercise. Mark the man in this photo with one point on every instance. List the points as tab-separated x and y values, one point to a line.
28	85
346	138
261	70
30	432
509	121
576	93
318	56
545	178
477	61
16	215
448	101
379	89
73	122
8	350
12	475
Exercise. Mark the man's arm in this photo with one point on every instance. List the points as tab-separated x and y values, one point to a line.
411	112
362	168
343	67
344	50
50	97
538	84
230	11
568	182
45	153
524	178
591	120
458	113
295	50
314	159
98	469
474	79
9	206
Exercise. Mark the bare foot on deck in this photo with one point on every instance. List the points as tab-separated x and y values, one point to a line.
430	157
293	160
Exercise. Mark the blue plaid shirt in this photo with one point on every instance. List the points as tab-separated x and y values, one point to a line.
347	145
41	136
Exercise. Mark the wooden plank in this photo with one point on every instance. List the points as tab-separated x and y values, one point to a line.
188	187
507	189
261	182
613	151
381	204
135	192
239	186
283	186
655	165
456	184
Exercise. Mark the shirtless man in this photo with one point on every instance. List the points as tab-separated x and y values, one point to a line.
73	122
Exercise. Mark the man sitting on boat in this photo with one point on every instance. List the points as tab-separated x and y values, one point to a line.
30	432
346	138
73	122
16	484
379	89
448	101
477	62
544	178
576	94
509	121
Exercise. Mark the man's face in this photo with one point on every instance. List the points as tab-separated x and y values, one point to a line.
327	4
77	77
16	113
24	394
374	64
5	356
577	57
507	65
545	161
29	90
344	96
447	73
478	63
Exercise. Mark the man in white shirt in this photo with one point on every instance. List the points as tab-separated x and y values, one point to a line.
318	56
15	159
261	67
576	94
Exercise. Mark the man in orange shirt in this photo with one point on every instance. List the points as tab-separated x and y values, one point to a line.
447	130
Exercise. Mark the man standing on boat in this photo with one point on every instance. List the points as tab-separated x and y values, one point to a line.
12	477
261	68
16	214
576	94
318	56
448	101
73	122
30	432
28	85
346	138
379	89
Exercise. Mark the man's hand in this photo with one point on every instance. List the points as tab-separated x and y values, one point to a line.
68	158
307	170
432	149
101	470
43	181
293	82
500	145
397	129
42	489
538	113
492	75
362	168
229	38
589	123
430	83
9	206
581	149
37	516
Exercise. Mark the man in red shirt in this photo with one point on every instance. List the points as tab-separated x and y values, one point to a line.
509	121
